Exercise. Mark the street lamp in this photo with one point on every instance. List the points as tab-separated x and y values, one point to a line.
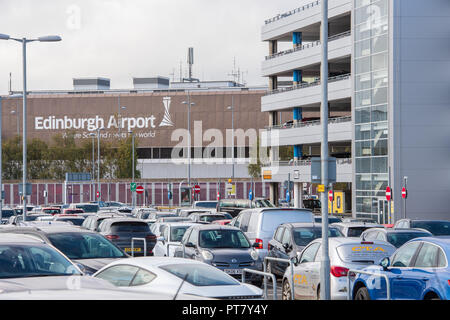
24	42
98	161
92	135
16	113
232	135
1	152
133	195
189	104
120	116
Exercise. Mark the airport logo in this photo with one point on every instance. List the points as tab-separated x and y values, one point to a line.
167	121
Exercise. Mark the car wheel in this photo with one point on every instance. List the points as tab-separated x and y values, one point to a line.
362	294
286	293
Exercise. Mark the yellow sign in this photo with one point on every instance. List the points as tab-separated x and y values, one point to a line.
300	279
321	188
338	203
367	249
267	174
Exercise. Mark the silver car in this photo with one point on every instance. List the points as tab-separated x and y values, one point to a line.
354	228
345	254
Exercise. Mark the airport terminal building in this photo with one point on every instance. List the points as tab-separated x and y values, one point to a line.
389	101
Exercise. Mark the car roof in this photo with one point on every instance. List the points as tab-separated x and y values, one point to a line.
15	238
122	219
214	227
304	224
441	240
259	210
400	230
357	224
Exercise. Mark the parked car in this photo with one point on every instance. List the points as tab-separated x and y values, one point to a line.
312	204
290	239
168	235
354	229
205	204
6	214
18	220
187	212
76	220
436	227
345	254
223	247
173	219
223	222
331	219
89	249
418	270
92	222
235	206
72	211
206	217
121	231
396	237
260	224
86	207
51	210
172	275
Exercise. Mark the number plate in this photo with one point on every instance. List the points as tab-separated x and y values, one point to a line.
135	249
233	271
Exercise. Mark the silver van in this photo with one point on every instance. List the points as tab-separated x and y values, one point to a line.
259	224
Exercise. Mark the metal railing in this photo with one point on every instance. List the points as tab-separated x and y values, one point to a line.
308	45
299	163
138	239
309	123
291	266
289	13
310	84
264	274
388	285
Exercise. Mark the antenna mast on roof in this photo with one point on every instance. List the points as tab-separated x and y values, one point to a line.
10	85
236	74
190	61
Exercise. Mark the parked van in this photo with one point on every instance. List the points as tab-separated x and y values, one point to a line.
259	224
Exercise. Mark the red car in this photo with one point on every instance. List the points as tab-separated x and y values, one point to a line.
51	210
222	222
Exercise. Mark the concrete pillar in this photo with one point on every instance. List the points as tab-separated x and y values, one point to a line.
272	193
298	194
297	77
297	39
273	47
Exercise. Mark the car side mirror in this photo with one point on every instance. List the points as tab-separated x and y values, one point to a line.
189	245
385	263
161	238
81	267
296	259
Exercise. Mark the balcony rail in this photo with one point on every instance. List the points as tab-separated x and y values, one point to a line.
289	13
309	123
300	163
309	84
309	45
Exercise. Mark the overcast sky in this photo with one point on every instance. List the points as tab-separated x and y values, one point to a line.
121	39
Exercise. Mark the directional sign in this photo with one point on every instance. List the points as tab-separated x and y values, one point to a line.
197	189
250	195
330	195
404	193
288	196
133	187
320	188
388	194
140	190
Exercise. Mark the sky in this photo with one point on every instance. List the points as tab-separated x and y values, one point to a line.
122	39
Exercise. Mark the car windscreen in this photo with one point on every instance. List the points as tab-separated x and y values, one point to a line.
85	245
176	233
318	219
273	218
235	204
200	275
7	213
365	253
88	207
355	232
20	261
223	239
303	236
129	226
73	211
211	218
400	238
209	205
52	211
263	204
437	228
75	221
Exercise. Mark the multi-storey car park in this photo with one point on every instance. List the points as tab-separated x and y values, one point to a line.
388	101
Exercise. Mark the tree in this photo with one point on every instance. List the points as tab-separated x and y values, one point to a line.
12	159
124	158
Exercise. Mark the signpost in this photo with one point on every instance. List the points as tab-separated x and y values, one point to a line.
405	194
140	189
197	189
331	198
98	194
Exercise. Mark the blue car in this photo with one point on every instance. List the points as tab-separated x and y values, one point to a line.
418	270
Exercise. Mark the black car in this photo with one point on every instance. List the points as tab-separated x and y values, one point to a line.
290	239
437	228
6	214
92	223
122	231
396	237
87	248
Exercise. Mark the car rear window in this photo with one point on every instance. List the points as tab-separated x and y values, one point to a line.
272	219
73	211
130	227
303	236
358	252
200	274
400	238
212	204
52	211
355	232
88	207
7	213
75	221
437	228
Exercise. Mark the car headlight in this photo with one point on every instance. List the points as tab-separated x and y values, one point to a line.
254	255
207	255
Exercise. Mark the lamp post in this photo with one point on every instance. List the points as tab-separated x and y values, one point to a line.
98	162
16	113
120	116
92	135
189	104
232	135
133	195
24	42
1	152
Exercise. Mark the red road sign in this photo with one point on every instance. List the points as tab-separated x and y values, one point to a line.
197	189
140	189
218	196
388	194
331	195
98	194
404	193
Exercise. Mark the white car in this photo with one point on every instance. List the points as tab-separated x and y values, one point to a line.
170	275
345	254
169	236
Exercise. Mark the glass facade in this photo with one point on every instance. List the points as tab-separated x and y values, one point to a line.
371	104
